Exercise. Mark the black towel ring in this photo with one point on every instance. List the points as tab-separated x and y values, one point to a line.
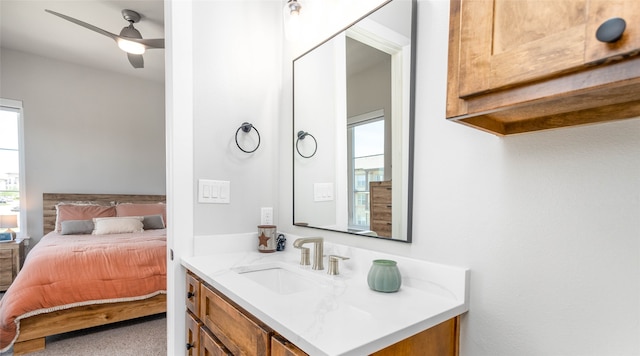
246	127
301	136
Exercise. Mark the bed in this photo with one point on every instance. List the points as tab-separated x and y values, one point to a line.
102	259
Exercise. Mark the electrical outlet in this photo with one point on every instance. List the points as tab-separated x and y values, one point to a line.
266	216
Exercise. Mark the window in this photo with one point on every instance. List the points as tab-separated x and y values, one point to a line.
12	163
366	164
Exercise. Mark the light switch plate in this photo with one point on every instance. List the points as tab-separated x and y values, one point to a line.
214	191
323	191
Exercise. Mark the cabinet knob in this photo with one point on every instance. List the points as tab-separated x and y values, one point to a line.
190	346
190	295
611	30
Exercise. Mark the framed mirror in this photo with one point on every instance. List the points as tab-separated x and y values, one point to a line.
353	120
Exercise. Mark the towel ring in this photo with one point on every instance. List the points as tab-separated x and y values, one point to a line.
246	127
301	136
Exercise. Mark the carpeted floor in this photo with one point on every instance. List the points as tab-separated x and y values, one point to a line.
140	337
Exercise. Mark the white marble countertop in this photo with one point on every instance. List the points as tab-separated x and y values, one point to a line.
340	315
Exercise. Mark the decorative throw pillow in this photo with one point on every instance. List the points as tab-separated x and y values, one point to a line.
137	209
117	225
152	222
76	227
81	212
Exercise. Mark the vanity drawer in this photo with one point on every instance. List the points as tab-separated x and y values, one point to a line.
239	332
193	335
193	294
282	347
211	346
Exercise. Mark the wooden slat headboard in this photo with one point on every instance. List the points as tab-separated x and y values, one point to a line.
49	201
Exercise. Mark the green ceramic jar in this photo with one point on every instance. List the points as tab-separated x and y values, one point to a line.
384	276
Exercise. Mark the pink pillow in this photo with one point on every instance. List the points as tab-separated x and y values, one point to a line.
133	209
82	212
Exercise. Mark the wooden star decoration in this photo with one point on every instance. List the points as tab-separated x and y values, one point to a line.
263	240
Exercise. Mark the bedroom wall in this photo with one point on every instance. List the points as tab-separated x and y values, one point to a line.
548	222
86	130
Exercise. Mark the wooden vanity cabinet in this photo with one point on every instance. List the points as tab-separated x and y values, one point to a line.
217	326
224	328
519	66
199	340
193	323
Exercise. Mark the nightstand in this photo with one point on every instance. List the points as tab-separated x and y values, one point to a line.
10	257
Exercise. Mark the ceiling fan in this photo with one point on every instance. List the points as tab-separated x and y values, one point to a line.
130	40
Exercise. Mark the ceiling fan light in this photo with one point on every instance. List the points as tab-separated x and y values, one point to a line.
130	46
292	21
294	7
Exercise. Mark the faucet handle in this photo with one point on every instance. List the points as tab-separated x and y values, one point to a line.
333	264
304	256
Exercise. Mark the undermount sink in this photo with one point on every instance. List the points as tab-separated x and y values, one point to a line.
278	278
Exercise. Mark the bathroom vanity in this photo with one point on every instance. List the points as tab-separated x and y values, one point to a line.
267	304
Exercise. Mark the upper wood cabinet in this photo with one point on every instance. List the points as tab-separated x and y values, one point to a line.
526	65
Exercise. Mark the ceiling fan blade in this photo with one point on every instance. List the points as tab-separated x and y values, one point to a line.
136	60
84	24
152	42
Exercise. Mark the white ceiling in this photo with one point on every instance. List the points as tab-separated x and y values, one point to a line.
25	26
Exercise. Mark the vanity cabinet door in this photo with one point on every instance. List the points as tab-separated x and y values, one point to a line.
507	43
239	332
440	340
527	65
211	346
282	347
193	335
193	294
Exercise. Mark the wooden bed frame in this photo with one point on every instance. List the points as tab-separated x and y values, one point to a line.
34	329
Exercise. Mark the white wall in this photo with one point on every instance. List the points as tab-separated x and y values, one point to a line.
86	130
237	63
548	222
321	101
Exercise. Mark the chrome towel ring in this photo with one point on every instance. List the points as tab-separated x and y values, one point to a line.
301	136
246	128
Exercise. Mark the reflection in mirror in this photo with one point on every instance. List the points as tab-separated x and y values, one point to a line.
354	91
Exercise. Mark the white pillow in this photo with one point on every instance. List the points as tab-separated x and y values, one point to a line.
117	225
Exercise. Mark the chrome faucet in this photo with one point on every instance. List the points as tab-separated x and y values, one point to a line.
318	251
333	264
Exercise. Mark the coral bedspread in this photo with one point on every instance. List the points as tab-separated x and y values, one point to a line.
65	271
